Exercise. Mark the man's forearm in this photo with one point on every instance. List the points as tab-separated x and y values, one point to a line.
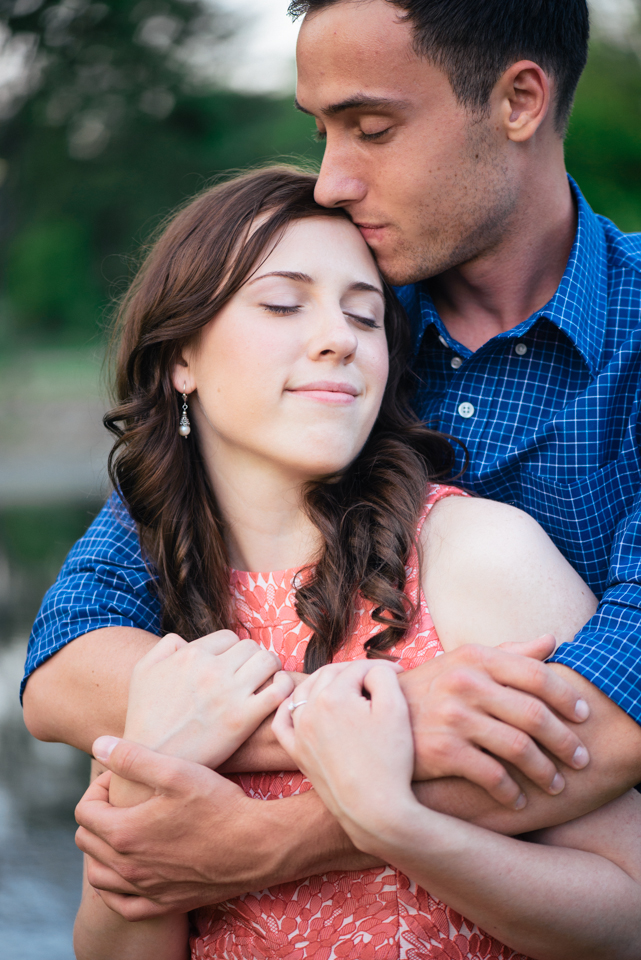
81	693
303	839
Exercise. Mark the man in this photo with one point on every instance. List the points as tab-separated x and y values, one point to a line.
444	142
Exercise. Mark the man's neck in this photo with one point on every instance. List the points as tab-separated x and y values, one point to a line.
504	286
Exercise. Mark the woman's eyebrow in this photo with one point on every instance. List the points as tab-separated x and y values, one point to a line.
305	278
288	274
368	287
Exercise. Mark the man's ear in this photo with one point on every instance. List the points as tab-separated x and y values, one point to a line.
523	92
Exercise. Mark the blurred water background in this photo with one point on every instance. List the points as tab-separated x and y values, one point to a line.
111	113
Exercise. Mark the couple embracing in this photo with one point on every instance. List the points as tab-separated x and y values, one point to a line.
378	530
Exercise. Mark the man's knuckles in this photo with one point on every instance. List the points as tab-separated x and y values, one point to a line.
517	746
535	715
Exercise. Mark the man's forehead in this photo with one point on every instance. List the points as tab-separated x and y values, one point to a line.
359	55
357	35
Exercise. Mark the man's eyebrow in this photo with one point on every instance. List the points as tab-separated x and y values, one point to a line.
357	102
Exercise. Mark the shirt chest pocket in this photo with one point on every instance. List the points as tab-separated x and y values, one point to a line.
582	516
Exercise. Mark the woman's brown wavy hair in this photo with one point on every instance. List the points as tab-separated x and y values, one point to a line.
366	515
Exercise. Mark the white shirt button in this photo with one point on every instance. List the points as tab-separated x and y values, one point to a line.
520	349
466	410
456	362
443	341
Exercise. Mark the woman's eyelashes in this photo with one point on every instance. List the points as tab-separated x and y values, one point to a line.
280	310
370	322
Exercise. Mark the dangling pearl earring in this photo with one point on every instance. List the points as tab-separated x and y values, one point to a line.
184	428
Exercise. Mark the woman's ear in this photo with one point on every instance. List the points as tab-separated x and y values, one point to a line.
182	375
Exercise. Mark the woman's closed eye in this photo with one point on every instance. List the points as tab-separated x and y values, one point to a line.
280	310
366	321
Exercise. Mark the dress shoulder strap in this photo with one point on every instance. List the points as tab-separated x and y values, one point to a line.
436	492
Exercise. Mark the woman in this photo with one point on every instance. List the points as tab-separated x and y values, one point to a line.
265	427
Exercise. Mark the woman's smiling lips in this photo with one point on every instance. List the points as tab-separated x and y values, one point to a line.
327	391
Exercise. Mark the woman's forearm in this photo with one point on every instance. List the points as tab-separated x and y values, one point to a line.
101	934
540	900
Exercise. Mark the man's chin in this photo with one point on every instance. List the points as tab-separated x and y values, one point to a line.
399	272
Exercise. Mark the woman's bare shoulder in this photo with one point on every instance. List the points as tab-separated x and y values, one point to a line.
490	574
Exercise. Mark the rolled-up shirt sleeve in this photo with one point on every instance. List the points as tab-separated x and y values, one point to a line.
104	582
607	650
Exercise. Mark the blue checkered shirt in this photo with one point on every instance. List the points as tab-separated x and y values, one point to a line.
549	414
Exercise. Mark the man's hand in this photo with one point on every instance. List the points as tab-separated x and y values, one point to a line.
199	839
477	703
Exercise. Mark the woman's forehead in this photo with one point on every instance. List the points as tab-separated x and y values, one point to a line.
324	243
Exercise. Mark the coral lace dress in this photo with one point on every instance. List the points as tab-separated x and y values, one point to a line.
378	914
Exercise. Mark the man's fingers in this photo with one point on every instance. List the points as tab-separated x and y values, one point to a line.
133	908
528	717
484	770
539	649
95	847
103	878
517	748
531	676
131	761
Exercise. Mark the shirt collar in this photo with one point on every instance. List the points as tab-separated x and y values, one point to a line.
578	308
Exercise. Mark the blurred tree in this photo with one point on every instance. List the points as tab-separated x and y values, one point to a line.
115	117
114	124
603	148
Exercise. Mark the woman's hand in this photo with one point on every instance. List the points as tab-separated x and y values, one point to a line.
200	701
351	736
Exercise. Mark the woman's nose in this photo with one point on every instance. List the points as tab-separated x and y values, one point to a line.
338	183
335	341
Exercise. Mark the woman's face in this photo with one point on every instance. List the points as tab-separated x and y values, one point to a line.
291	372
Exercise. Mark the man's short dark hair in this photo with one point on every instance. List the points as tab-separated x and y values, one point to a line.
475	41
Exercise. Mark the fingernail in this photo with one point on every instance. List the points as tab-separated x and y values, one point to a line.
582	710
580	758
103	747
558	783
520	801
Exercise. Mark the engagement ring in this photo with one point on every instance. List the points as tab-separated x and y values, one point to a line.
293	705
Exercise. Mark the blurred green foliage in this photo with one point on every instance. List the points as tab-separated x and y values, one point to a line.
34	540
120	129
603	147
38	534
118	132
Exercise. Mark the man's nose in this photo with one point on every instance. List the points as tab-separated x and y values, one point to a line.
339	184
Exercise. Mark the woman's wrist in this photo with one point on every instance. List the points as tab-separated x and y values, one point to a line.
380	825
